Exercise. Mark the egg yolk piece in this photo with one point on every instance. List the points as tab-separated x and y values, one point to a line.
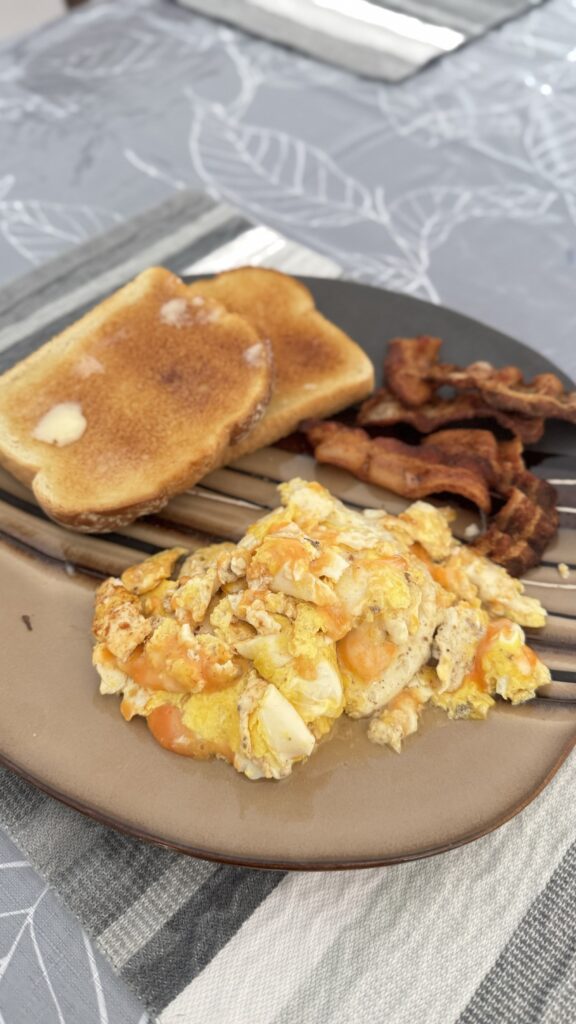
365	653
206	726
176	660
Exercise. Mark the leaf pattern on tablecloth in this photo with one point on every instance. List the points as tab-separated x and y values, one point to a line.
446	116
153	170
16	104
272	170
40	230
397	273
426	217
101	56
551	143
28	915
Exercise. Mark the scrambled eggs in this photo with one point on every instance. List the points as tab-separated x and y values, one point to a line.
251	651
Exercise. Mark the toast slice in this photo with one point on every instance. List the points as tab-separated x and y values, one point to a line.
133	403
319	370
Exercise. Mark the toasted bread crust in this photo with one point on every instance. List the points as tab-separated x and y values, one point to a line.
319	370
165	382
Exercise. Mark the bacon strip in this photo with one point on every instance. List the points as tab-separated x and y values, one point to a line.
413	374
410	470
383	409
481	445
520	532
506	389
407	367
518	535
466	462
510	454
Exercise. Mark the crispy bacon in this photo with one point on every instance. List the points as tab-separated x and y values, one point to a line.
541	492
522	529
510	455
410	470
479	445
383	409
518	535
506	389
407	367
413	374
474	375
466	462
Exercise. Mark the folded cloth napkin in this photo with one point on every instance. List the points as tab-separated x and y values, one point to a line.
482	935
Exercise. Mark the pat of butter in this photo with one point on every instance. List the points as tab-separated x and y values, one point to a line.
175	312
255	354
61	425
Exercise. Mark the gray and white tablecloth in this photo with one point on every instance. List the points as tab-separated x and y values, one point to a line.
458	186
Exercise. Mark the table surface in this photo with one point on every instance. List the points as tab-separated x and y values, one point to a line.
458	186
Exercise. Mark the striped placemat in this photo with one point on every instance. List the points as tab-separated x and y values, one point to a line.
482	934
371	37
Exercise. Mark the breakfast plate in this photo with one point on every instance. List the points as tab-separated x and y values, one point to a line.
353	804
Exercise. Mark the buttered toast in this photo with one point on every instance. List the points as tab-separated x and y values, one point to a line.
133	403
319	370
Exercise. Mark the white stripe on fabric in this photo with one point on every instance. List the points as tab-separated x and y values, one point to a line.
399	945
360	22
129	932
263	247
265	941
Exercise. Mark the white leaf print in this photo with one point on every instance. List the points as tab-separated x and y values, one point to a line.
270	171
484	107
101	55
25	918
426	217
12	926
551	142
45	974
19	101
41	230
250	77
31	956
95	974
433	121
152	170
17	106
393	272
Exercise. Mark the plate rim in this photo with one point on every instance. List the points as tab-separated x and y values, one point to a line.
293	865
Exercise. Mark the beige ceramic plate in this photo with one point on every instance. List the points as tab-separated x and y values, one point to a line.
353	804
